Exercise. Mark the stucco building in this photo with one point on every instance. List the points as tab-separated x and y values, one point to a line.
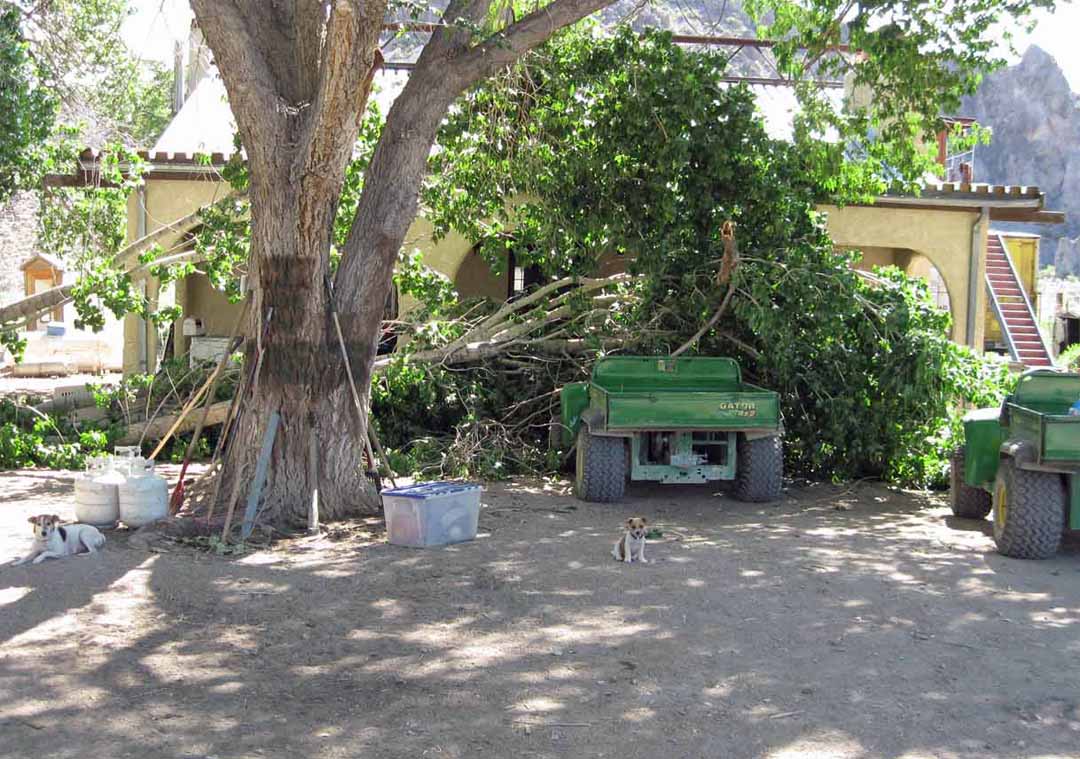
946	234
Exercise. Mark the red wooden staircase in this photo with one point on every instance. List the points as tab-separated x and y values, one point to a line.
1012	307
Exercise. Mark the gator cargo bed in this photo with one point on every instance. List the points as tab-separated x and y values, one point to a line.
629	393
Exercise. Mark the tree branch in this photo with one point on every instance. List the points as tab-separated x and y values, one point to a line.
505	47
126	259
349	61
454	34
308	24
253	89
707	326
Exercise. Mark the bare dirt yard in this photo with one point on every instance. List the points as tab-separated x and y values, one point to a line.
844	622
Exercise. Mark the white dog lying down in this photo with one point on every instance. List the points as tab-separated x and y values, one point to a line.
51	541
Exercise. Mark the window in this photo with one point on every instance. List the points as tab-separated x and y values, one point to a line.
42	273
521	279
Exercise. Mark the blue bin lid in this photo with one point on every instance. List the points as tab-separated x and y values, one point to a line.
431	489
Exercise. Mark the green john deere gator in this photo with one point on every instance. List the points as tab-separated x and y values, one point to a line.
672	420
1021	462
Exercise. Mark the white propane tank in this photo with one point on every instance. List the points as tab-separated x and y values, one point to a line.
144	496
97	493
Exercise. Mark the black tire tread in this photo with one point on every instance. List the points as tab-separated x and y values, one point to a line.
759	469
1036	512
601	471
966	502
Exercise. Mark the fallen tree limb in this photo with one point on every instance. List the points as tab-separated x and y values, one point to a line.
30	307
728	265
707	326
157	428
126	260
524	324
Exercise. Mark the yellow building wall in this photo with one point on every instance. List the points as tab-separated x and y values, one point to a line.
1024	251
166	201
202	300
942	237
872	255
169	200
911	239
903	237
453	256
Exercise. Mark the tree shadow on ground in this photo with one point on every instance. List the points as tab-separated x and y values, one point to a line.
33	484
877	630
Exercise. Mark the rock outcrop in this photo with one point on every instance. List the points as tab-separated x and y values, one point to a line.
1035	118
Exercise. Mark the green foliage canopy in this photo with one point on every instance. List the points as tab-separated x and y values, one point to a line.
631	147
27	107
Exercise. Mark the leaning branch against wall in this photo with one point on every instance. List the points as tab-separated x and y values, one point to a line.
127	260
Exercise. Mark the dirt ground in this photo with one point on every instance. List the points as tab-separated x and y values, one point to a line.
855	622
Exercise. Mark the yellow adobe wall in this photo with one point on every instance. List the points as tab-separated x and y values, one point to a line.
872	255
453	256
911	239
943	237
203	301
1024	251
166	202
884	235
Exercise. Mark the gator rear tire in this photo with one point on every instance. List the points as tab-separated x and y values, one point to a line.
966	501
759	469
601	467
1029	512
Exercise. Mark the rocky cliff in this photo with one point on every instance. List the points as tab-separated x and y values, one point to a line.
1035	118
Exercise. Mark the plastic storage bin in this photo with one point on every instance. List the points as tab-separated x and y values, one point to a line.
431	513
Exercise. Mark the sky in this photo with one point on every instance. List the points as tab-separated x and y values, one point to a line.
152	30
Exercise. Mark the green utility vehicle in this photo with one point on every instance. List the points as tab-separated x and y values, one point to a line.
1021	462
672	420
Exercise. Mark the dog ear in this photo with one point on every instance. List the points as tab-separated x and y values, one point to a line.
32	520
630	522
644	520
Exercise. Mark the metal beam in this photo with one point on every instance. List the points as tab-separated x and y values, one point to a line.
419	27
751	80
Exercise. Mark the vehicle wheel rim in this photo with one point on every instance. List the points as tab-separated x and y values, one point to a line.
1001	507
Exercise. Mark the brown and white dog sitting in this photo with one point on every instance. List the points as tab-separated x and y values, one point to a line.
631	546
51	541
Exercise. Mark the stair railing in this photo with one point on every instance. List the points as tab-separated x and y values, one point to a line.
996	307
1027	300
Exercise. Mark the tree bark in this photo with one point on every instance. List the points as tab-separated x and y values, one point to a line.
298	74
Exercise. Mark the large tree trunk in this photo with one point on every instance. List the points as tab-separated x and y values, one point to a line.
298	74
300	375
